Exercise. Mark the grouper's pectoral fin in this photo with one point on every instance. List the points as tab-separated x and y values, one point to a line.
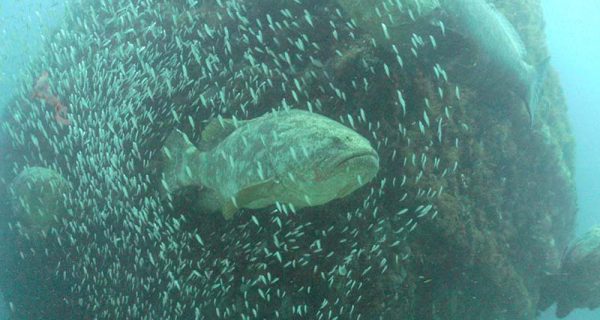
259	192
229	209
179	159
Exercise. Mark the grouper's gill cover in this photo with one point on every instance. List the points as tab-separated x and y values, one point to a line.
293	157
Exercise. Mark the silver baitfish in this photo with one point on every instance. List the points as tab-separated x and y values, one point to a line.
387	21
291	157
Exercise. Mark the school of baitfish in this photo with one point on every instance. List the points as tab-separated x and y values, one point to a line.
140	77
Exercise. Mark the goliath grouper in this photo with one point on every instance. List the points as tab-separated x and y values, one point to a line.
577	284
293	157
477	21
495	36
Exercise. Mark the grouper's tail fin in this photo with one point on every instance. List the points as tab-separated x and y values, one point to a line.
536	86
179	158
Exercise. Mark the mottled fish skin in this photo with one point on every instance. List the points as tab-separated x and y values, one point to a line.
577	283
302	158
497	39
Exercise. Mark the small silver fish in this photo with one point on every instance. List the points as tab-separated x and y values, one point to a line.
290	157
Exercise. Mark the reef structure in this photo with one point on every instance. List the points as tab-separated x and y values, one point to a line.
467	201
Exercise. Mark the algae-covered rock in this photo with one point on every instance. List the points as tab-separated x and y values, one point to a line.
469	208
38	198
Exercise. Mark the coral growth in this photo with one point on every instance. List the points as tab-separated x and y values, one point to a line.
41	91
471	205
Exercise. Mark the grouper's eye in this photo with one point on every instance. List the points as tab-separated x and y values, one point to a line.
336	140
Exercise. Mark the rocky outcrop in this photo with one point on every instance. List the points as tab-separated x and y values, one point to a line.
471	205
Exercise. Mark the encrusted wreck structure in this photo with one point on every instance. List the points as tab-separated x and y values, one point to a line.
472	204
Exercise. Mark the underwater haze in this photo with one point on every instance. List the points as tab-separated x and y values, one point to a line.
572	30
32	18
22	24
3	308
450	228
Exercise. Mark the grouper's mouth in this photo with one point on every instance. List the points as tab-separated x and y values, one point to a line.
347	159
362	165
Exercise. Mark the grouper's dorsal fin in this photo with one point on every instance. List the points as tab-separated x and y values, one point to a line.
217	130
